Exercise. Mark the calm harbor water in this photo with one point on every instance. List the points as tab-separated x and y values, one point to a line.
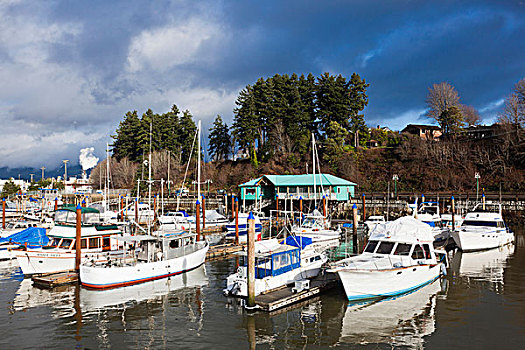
480	304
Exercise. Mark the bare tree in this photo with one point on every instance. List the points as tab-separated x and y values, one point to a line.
444	106
513	112
470	115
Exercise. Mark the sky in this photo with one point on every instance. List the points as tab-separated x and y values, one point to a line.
70	70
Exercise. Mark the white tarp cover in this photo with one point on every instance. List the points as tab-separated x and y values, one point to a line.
405	228
213	215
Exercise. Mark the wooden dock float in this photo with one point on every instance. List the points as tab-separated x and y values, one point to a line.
223	250
51	280
285	296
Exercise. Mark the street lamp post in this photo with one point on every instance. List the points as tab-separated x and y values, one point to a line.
395	178
477	185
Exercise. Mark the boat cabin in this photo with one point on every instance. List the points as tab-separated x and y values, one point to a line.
416	251
276	262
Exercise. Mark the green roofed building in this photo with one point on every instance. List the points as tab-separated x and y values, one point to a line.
295	186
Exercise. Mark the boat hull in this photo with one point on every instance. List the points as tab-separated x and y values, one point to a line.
469	241
40	261
370	284
99	277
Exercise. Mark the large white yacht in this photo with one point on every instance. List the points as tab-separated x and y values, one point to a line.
398	258
483	228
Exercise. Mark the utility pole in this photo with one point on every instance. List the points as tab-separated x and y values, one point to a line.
477	185
395	178
43	168
65	170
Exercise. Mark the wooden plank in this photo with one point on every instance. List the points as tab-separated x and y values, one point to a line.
55	279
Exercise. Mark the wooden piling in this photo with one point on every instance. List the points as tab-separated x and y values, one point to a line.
364	208
203	212
277	211
154	208
78	238
251	261
56	203
137	210
324	206
3	213
483	200
452	208
422	198
300	210
355	223
198	220
236	220
121	208
233	206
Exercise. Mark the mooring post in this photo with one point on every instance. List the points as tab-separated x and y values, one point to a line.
78	238
233	206
483	200
42	212
422	198
198	219
354	236
364	208
236	220
137	210
324	206
251	261
122	207
203	212
3	213
154	208
277	211
84	203
453	219
225	204
56	203
300	210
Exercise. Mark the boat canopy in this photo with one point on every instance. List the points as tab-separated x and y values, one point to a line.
83	210
34	236
297	241
406	228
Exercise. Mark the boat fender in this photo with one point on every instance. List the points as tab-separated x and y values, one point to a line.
443	270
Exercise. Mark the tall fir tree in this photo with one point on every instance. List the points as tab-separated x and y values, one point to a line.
220	142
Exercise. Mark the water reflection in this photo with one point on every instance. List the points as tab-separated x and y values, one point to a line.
401	321
483	266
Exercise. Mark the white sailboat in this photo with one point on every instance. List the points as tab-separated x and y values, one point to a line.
150	257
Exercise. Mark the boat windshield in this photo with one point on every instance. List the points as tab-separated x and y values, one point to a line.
309	223
385	248
66	243
402	249
480	223
371	246
54	242
10	226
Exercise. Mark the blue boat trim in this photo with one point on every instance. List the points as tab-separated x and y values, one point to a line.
391	294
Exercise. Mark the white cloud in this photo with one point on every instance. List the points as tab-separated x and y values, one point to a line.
492	105
399	121
172	45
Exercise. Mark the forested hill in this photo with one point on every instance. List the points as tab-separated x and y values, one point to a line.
272	129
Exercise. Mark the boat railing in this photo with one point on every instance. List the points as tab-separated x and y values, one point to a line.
382	262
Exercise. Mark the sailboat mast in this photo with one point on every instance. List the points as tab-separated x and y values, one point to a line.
199	162
106	184
313	169
149	177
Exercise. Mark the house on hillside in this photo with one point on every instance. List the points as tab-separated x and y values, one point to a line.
482	131
426	132
295	186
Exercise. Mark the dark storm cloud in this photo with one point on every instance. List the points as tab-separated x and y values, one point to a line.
74	68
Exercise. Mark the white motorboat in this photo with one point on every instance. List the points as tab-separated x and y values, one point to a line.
144	214
59	254
398	258
373	221
428	212
401	321
17	226
150	258
277	265
31	237
446	220
243	228
483	228
317	227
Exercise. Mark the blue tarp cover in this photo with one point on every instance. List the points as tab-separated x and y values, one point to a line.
297	241
34	236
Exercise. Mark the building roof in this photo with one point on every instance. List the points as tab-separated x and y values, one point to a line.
300	180
421	127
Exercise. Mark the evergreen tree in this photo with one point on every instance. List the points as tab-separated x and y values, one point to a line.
246	125
220	142
187	132
125	144
9	189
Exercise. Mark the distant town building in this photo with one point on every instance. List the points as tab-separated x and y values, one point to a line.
425	132
295	186
482	131
22	183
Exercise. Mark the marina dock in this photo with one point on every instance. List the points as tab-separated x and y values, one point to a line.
51	280
286	296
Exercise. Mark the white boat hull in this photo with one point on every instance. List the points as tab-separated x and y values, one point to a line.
100	277
473	240
361	284
40	261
